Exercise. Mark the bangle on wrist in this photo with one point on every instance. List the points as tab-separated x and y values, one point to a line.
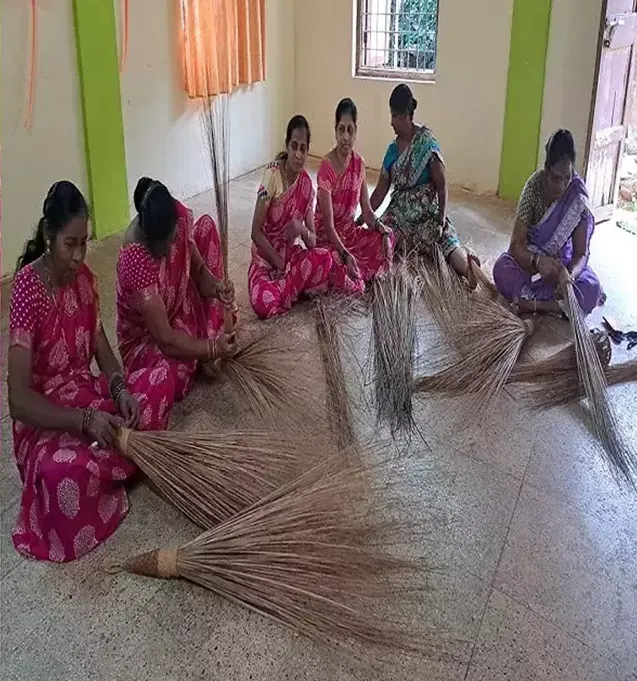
212	349
344	256
116	386
87	420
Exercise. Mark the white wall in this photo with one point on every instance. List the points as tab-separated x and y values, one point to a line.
570	71
53	149
464	107
162	129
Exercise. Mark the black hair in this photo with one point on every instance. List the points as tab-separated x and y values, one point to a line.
346	107
63	202
401	100
157	213
560	147
297	122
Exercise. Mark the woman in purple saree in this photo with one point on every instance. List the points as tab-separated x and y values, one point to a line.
551	237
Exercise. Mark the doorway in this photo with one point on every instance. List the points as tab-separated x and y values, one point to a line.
613	103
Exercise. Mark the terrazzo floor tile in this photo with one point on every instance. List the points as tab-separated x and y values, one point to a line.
518	645
575	569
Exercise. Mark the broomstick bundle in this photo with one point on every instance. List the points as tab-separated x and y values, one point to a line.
314	555
394	345
339	408
619	455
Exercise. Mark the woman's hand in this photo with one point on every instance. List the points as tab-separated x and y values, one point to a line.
102	428
226	346
564	276
129	409
549	269
352	266
279	267
295	229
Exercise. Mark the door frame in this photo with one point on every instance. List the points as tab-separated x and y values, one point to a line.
605	213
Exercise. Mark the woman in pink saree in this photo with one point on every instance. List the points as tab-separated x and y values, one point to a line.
282	269
171	296
64	417
360	253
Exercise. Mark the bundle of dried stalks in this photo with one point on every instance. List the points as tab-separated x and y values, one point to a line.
394	345
619	455
339	408
563	385
210	477
314	555
488	344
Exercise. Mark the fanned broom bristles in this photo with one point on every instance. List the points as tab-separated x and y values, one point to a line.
394	346
339	408
619	455
491	338
212	476
309	556
564	387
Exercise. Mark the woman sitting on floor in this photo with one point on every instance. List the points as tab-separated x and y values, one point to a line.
171	295
413	166
281	269
551	237
64	417
359	253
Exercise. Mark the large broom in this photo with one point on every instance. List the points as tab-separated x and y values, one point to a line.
619	455
212	476
394	346
310	556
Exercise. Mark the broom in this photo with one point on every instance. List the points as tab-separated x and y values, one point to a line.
489	342
394	343
212	476
339	408
564	387
619	456
310	556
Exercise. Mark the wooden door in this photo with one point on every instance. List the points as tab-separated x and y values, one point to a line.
618	34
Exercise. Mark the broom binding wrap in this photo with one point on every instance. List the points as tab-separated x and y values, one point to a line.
159	563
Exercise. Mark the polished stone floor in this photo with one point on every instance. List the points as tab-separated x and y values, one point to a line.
535	545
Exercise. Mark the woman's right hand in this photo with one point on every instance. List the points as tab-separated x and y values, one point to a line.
226	345
549	269
102	428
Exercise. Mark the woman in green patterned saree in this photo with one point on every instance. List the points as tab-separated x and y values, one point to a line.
413	166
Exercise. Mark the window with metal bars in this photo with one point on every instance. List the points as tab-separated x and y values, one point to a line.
397	38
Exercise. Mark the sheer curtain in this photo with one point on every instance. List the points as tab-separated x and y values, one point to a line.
223	44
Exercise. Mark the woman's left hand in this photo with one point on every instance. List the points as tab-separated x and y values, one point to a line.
129	409
564	276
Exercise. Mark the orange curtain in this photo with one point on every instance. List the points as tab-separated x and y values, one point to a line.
223	43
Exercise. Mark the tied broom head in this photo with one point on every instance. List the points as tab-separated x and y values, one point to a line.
619	455
394	345
210	477
309	556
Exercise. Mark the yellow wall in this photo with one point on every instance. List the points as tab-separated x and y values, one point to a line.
464	107
53	148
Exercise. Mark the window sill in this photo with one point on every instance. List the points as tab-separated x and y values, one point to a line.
397	76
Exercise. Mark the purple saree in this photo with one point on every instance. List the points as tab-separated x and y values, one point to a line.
552	236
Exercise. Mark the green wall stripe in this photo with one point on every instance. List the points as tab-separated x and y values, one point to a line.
525	92
96	43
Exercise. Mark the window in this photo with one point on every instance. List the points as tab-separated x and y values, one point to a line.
397	38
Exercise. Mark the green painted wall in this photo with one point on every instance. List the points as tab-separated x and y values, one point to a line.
525	91
96	42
